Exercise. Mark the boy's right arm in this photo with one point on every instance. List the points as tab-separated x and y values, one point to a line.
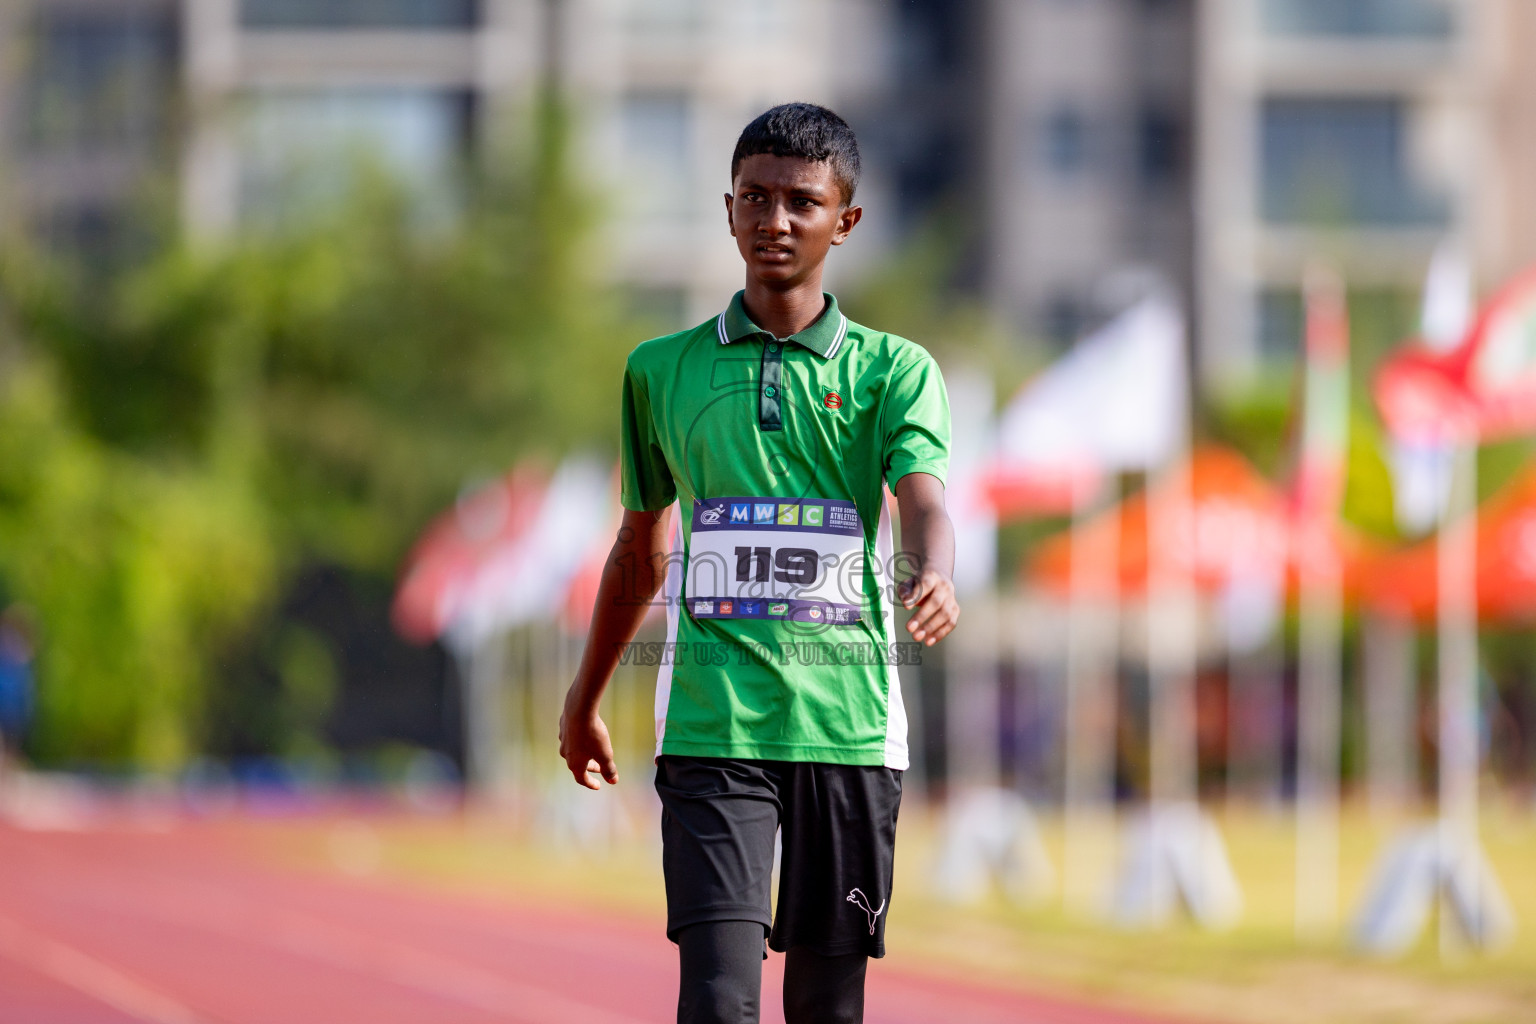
635	570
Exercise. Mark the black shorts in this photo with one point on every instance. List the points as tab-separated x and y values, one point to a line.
718	819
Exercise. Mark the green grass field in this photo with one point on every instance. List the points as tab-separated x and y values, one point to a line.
1255	972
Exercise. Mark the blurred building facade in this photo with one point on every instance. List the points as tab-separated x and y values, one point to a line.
1513	127
665	86
1360	132
1090	117
1219	144
282	93
89	105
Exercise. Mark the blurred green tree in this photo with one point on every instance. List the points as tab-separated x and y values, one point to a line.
179	441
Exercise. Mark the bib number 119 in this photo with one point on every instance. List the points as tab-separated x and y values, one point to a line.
788	565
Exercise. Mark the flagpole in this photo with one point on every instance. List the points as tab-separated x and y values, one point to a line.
480	661
1255	704
1117	402
1456	621
1171	641
1092	654
1387	663
1445	862
1317	755
1319	490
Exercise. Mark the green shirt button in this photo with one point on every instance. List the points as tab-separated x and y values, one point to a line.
770	390
774	347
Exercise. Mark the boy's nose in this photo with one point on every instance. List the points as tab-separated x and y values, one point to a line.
778	219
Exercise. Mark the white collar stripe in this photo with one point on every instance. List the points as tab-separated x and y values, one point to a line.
842	332
720	329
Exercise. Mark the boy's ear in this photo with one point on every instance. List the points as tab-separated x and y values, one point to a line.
846	219
729	224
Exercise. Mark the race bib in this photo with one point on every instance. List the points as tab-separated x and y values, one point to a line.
773	558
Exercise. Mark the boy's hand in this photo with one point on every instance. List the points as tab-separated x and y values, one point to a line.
933	595
585	745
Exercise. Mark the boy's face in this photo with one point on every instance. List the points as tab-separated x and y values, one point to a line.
784	213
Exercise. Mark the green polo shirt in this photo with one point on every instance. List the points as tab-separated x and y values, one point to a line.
780	599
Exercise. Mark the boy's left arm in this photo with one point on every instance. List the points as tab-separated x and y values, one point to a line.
927	537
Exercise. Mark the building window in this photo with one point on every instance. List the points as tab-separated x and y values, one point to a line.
657	133
1159	148
1424	19
1064	142
1341	161
303	147
1279	324
97	237
99	79
301	14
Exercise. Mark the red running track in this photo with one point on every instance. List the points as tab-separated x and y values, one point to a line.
118	926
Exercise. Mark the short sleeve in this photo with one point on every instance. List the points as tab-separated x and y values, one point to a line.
915	423
646	479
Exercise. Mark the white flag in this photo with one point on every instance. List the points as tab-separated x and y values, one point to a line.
1421	470
1446	310
528	580
1115	402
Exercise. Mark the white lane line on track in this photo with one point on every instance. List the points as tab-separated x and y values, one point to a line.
318	940
91	976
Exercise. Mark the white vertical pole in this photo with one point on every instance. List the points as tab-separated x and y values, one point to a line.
518	682
1171	627
1456	567
1317	754
480	664
973	688
1092	655
1256	736
1386	648
1320	487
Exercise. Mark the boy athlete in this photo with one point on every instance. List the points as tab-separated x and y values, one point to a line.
773	426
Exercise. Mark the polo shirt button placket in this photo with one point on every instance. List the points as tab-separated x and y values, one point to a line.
770	410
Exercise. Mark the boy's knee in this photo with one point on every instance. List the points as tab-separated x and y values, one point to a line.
722	999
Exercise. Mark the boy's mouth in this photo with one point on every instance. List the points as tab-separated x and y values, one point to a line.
775	251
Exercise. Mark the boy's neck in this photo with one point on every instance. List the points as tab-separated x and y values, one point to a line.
784	312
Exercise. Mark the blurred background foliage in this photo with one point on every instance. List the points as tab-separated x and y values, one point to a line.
186	438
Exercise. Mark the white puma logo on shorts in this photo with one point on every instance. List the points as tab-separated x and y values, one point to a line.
858	899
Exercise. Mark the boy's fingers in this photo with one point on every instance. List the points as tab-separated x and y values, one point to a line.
604	763
935	617
584	776
579	775
934	602
927	628
926	611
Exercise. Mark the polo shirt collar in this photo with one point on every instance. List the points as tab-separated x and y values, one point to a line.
824	336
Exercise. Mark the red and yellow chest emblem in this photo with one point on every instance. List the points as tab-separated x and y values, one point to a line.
832	400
